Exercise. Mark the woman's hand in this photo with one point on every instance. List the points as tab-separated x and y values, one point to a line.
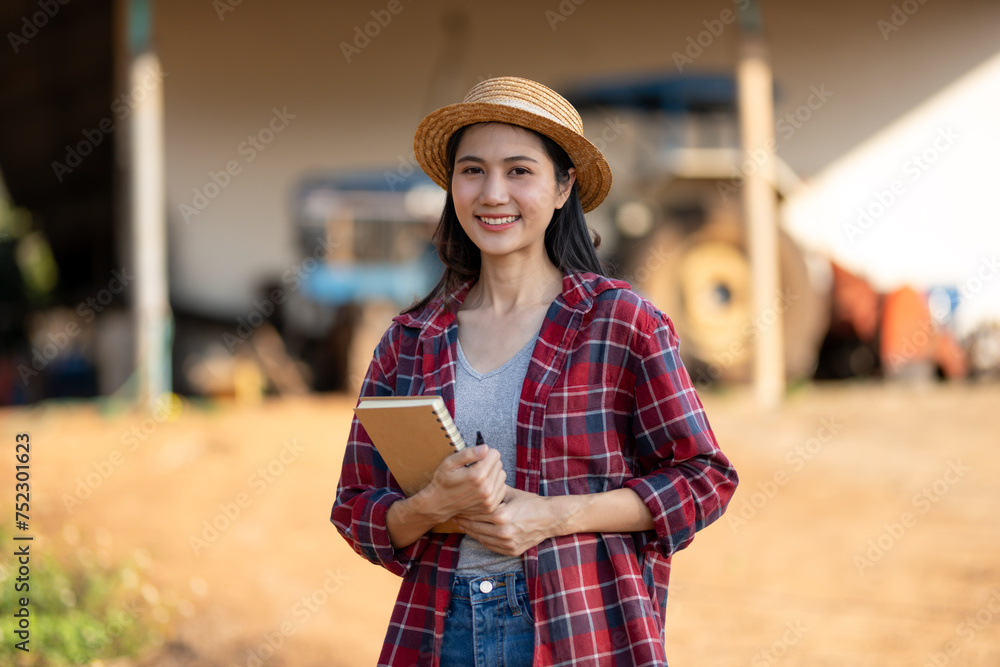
457	486
523	520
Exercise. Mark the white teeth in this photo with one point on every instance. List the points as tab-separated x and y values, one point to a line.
499	221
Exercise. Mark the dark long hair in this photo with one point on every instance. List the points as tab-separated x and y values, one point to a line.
568	240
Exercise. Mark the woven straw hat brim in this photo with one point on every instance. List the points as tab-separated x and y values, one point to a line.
430	144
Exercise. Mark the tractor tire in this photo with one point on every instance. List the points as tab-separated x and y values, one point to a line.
705	289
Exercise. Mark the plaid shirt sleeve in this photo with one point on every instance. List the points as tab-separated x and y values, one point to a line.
619	411
686	480
366	488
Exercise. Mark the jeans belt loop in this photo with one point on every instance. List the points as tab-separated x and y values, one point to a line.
512	594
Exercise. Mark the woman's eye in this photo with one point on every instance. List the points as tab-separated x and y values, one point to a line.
520	171
472	170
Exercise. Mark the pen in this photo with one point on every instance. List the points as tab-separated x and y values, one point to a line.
479	441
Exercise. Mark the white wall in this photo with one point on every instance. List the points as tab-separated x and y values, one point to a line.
916	202
225	77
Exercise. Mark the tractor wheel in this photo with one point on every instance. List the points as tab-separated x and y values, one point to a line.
705	288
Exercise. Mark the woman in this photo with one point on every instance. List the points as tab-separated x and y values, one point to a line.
599	464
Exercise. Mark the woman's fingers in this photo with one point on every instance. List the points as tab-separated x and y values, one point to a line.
499	489
521	522
471	480
466	457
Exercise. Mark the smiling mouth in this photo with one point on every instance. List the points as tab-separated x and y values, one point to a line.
499	221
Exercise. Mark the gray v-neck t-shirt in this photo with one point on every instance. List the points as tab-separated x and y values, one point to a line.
487	402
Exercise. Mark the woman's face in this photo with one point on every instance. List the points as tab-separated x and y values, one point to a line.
505	190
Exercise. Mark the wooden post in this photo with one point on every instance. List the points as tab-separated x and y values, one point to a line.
756	112
153	320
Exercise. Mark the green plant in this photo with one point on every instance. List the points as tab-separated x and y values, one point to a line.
79	612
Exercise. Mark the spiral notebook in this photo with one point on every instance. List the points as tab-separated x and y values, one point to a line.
413	434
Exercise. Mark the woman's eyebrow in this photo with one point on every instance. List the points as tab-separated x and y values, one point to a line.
512	158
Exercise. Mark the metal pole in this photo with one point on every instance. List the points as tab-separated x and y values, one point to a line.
153	320
756	111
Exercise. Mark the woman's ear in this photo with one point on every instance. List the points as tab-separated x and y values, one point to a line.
565	187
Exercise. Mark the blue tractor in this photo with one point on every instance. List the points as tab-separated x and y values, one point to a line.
366	242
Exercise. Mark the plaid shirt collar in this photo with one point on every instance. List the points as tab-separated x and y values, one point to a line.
578	293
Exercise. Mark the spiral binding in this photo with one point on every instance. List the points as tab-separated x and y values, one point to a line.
449	428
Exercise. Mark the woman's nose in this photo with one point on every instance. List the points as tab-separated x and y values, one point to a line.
494	190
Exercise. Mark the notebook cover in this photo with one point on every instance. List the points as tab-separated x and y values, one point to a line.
411	433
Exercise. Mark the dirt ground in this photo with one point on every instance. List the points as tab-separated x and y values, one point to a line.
864	531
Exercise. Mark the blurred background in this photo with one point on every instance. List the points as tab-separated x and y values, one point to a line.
209	212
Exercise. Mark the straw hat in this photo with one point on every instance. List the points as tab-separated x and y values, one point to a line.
509	99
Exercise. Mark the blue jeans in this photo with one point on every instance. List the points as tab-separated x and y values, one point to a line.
489	620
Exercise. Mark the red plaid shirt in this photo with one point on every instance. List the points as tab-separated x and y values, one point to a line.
606	404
